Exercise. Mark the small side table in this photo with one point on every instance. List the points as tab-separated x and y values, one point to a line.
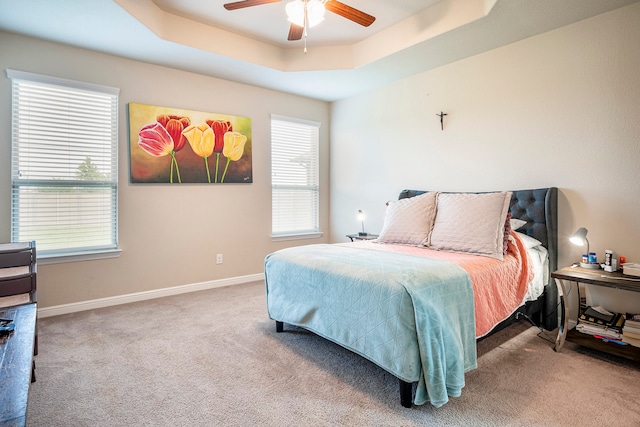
357	236
593	278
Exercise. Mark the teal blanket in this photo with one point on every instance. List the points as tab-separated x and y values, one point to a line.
412	316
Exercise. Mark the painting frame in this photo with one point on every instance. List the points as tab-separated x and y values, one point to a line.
179	146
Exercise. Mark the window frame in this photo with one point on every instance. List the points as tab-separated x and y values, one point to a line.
314	187
77	253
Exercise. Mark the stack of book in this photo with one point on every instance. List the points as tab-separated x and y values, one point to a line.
631	329
601	323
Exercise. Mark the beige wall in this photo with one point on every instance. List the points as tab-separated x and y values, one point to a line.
169	234
559	109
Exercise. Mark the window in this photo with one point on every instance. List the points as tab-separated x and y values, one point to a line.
294	177
64	180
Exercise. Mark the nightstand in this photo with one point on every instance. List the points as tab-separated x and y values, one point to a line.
590	277
357	236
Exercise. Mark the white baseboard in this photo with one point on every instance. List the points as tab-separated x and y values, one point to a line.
141	296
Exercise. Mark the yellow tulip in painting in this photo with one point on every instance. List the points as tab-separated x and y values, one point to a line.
201	141
233	148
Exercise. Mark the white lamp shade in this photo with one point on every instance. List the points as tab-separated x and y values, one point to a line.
315	12
579	238
295	12
313	8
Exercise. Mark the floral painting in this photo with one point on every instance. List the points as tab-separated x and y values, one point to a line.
173	146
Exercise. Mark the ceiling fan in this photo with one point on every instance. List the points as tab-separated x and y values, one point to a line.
302	12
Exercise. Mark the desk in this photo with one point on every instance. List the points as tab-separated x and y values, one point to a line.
16	364
594	278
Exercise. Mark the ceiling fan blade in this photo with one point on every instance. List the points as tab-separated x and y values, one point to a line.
349	12
295	32
247	3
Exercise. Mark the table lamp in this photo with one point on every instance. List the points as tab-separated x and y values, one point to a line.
361	219
579	238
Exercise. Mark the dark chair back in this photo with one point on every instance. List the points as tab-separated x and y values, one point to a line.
18	269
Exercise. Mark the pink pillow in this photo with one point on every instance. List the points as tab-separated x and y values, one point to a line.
471	223
409	221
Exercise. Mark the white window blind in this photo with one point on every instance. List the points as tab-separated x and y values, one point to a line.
294	176
63	164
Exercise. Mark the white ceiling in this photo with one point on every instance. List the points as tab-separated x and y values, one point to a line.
249	45
272	25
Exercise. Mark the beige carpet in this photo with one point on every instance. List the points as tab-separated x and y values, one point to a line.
213	358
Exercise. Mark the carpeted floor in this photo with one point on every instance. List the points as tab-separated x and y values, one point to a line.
213	358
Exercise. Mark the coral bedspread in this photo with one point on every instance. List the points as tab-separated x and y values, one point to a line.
499	287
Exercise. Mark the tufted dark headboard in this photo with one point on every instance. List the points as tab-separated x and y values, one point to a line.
539	207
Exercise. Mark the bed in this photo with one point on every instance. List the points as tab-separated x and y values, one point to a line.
447	270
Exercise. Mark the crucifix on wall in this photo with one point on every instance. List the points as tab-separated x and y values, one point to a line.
441	115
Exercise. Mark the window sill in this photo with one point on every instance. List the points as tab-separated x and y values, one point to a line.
282	237
44	259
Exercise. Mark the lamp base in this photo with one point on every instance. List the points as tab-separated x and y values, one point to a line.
362	233
593	266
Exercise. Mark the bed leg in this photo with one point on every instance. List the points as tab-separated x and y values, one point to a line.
405	394
279	326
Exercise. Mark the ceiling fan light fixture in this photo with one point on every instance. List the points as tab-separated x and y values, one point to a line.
314	10
295	12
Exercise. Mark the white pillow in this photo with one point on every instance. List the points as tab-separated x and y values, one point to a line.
471	223
517	223
528	241
409	221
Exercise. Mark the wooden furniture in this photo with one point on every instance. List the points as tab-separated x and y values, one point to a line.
16	364
362	236
18	268
563	278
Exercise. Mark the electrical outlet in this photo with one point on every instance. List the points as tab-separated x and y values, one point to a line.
219	259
